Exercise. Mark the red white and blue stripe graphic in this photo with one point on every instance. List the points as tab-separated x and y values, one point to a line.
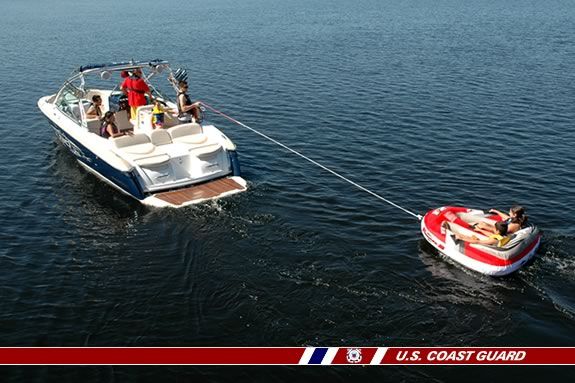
308	356
341	355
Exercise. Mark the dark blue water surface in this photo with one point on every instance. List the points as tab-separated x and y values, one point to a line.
428	103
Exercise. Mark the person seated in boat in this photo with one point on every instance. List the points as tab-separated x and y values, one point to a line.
187	110
159	113
124	106
95	110
109	128
499	238
516	220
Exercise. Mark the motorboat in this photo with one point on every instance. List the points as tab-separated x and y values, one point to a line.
440	225
179	164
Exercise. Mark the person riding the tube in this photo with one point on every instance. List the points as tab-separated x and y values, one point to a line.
499	238
515	220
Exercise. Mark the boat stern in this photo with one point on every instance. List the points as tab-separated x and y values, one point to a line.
211	190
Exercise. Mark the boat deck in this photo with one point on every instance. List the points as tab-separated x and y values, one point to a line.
200	192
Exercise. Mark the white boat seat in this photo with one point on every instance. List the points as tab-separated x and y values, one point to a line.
195	139
190	133
159	159
139	149
94	125
132	139
134	144
206	150
123	121
160	137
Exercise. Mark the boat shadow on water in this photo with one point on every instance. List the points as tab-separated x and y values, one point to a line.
74	186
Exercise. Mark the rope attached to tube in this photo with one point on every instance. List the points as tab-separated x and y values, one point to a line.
418	216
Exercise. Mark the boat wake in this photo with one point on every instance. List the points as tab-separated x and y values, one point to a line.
552	274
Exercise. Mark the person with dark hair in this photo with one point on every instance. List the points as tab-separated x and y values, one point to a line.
124	107
95	110
516	220
136	89
187	111
499	238
109	128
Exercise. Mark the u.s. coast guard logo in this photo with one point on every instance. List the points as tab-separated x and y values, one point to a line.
353	355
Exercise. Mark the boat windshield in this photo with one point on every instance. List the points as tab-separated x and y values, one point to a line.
69	100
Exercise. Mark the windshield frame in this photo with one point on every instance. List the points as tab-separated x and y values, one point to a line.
78	85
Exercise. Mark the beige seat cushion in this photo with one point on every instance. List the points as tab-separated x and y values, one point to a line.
206	150
134	144
185	130
190	133
94	125
139	149
132	139
193	139
151	161
122	121
160	137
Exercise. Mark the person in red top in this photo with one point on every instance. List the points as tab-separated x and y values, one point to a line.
136	89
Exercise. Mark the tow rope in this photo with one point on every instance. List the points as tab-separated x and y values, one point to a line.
418	216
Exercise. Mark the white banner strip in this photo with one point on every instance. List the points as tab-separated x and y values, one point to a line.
379	354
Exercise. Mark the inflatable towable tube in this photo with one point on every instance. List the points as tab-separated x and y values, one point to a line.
486	259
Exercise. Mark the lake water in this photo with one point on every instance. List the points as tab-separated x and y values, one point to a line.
428	103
